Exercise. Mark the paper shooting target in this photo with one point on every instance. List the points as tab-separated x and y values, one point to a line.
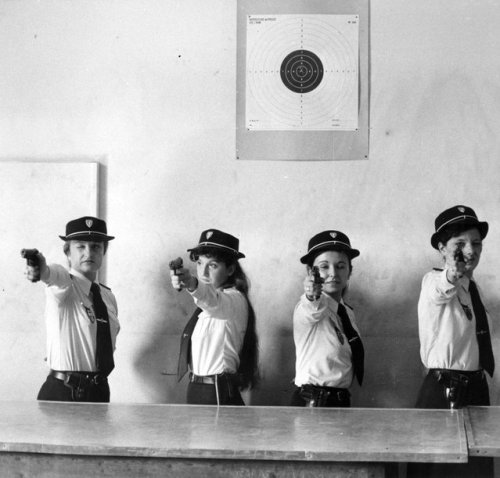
302	72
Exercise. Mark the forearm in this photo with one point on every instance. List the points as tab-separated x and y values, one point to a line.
220	303
205	296
55	275
438	289
45	273
307	311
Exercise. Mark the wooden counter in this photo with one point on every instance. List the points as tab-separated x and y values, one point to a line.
67	439
482	426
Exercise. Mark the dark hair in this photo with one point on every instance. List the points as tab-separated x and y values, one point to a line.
248	370
453	230
67	244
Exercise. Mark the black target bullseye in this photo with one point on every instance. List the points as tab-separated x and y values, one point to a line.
301	71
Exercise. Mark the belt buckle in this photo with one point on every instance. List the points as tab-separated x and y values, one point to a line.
204	379
196	378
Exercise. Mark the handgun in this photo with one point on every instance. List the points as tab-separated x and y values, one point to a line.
316	279
459	255
32	260
456	392
175	265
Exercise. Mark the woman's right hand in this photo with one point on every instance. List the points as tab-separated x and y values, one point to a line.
311	288
37	269
182	279
455	269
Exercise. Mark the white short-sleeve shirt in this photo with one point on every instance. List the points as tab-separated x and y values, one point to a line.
218	336
447	337
70	320
323	353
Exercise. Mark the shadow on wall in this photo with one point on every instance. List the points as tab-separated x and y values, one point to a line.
155	362
277	368
393	371
390	383
393	382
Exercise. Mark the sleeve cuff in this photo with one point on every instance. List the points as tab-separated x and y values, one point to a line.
312	304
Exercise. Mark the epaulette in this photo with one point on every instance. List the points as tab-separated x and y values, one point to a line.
105	286
348	306
437	269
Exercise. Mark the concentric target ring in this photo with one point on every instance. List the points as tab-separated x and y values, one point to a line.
301	71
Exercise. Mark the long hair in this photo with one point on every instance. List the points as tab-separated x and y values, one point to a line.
248	369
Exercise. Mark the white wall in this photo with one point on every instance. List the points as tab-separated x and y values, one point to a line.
43	192
149	87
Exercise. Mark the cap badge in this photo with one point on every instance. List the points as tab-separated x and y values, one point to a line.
89	222
333	235
210	234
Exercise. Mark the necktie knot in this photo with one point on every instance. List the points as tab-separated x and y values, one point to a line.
96	291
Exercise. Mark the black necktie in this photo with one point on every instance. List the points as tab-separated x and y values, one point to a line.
358	352
185	350
486	358
104	347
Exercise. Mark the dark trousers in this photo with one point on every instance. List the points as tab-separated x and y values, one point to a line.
314	396
207	393
55	390
433	395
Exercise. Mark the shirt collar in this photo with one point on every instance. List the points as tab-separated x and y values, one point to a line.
82	281
464	282
333	303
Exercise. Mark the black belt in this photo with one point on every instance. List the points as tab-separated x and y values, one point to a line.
457	383
317	395
206	379
90	378
211	379
447	375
